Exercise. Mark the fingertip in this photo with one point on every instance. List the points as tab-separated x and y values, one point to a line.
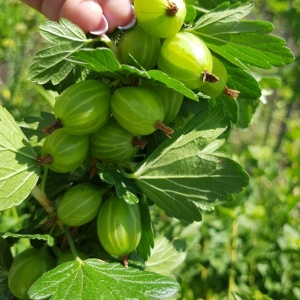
117	12
88	15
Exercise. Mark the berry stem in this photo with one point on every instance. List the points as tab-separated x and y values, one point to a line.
43	199
164	128
110	44
44	178
136	142
209	77
172	9
231	93
125	260
55	125
71	243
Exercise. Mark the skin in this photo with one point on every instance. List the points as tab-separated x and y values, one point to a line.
87	14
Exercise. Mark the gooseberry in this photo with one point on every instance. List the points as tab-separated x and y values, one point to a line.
26	268
119	226
170	99
141	45
64	152
113	143
186	58
80	204
139	110
82	108
213	90
160	18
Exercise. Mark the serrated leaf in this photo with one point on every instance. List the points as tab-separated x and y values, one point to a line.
147	238
208	5
52	63
103	61
225	13
172	83
125	188
18	172
94	279
182	171
242	42
164	257
249	90
243	82
44	237
246	109
62	32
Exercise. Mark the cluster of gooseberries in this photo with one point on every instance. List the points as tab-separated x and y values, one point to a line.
109	123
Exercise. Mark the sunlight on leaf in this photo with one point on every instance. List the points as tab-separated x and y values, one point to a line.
44	237
242	42
18	172
164	257
94	279
175	179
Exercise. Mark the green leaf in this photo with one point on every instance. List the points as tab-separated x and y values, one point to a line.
94	279
230	107
6	259
274	82
246	109
104	62
244	82
125	188
173	83
62	32
18	172
52	63
164	258
101	60
241	42
33	126
191	14
183	173
225	13
247	100
147	238
43	237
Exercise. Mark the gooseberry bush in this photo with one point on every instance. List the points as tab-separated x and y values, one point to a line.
138	124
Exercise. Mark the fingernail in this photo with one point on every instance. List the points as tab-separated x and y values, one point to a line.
103	27
131	23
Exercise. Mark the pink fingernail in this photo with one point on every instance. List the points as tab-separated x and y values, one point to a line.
103	27
131	23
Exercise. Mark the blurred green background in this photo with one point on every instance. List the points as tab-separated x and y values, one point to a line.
248	248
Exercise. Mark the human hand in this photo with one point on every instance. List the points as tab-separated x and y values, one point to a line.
95	16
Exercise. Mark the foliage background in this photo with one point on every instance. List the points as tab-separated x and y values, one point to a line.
248	248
